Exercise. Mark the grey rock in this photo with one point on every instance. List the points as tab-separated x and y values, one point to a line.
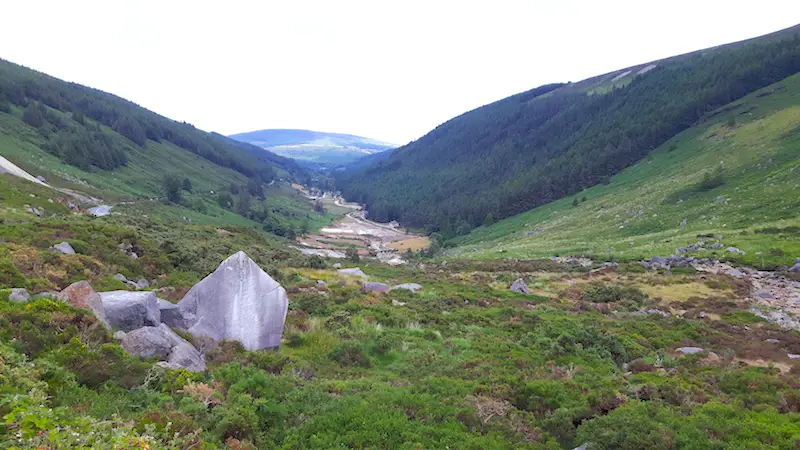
321	283
121	277
133	255
765	295
354	272
64	248
771	341
584	446
120	335
185	356
735	250
689	350
240	302
735	273
413	287
131	310
171	314
683	223
142	284
163	343
793	356
19	295
715	246
337	266
150	341
396	303
519	286
719	199
371	286
41	178
795	268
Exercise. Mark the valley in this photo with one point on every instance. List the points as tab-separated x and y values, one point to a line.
607	264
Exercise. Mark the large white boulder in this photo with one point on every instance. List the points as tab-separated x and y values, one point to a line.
128	310
239	302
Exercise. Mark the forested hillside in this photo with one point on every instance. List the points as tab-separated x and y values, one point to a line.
553	141
75	123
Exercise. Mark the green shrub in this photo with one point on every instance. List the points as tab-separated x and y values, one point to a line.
80	247
349	354
598	292
10	276
108	283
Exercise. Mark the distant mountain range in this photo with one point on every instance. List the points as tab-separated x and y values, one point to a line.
313	147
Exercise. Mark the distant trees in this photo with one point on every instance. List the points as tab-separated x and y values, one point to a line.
225	200
172	188
187	185
33	115
352	254
319	206
530	149
489	220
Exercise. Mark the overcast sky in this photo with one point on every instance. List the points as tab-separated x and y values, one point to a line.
387	70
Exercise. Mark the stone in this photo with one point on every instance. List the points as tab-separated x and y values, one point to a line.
321	283
689	350
771	341
64	248
185	356
519	286
765	295
413	287
396	303
133	255
120	335
337	266
715	246
354	272
171	314
719	198
371	286
735	251
795	267
121	277
131	310
41	178
146	342
793	356
19	295
142	284
165	344
238	301
83	295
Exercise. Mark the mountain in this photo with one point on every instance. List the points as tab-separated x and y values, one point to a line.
313	147
553	141
730	180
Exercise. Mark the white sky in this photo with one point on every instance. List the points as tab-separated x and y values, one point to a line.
387	70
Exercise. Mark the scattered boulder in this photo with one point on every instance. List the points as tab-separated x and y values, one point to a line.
19	295
171	314
719	198
413	287
396	303
519	286
715	246
121	277
796	266
120	335
142	284
321	283
689	350
771	341
735	251
83	295
371	286
41	178
793	356
64	248
240	302
354	272
131	310
162	342
337	266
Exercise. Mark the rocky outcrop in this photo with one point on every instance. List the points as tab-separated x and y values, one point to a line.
131	310
83	295
353	272
371	286
413	287
163	343
240	302
171	314
19	295
64	248
519	286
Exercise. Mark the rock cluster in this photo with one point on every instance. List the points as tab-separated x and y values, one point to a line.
519	286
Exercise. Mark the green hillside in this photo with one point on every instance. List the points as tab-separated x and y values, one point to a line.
735	174
553	141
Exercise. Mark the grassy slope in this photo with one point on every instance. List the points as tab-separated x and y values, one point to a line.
639	213
141	179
